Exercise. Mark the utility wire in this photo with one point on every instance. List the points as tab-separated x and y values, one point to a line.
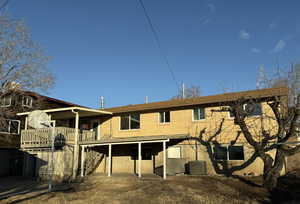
155	34
4	4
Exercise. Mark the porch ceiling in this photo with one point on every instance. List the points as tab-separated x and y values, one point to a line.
67	113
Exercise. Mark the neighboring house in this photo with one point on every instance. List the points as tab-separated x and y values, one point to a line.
159	137
11	158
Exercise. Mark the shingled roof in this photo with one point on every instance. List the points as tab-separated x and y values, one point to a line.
202	100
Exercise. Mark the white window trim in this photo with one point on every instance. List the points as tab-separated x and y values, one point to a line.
193	118
230	116
19	125
4	106
130	129
24	99
181	155
228	153
164	117
254	116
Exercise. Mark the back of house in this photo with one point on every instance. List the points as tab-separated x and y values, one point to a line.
154	138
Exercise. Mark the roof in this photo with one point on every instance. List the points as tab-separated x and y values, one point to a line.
202	100
55	100
65	113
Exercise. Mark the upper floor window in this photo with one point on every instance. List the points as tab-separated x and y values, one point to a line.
131	121
164	117
228	152
253	109
27	101
5	101
199	113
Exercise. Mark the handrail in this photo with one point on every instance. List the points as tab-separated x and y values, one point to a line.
42	137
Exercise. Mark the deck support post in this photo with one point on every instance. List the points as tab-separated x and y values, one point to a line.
76	146
26	123
109	160
164	160
82	160
140	160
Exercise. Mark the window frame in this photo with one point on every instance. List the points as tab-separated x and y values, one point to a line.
164	117
193	115
172	147
227	152
25	99
261	110
5	98
129	122
9	127
244	108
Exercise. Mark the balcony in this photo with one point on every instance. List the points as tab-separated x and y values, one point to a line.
41	138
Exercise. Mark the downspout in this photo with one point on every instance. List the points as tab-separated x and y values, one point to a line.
76	145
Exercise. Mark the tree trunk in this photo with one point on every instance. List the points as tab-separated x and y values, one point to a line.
272	171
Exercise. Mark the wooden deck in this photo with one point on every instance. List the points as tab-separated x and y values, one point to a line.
39	138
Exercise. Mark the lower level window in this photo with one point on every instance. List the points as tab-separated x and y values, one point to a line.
146	154
174	152
228	152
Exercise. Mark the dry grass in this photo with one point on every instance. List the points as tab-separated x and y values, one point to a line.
129	189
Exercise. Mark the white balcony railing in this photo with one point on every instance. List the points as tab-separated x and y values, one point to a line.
63	135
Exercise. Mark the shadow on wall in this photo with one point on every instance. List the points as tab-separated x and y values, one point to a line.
11	161
34	166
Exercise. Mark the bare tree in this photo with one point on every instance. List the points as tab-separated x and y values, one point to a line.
188	92
282	77
21	60
274	131
22	67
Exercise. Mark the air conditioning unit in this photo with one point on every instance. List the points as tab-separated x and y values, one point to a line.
196	168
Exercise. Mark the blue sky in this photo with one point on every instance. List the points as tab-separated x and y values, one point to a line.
106	48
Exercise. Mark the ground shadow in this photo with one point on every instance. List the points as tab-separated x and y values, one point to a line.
288	188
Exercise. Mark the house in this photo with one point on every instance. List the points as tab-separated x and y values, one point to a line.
152	138
10	104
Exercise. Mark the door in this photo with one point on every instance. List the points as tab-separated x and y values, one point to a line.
95	126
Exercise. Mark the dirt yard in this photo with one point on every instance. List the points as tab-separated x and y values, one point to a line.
130	189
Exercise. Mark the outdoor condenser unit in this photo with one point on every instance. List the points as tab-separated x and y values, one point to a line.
197	168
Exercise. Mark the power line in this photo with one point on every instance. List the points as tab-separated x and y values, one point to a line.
155	34
4	4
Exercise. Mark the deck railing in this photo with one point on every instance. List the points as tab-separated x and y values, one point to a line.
63	135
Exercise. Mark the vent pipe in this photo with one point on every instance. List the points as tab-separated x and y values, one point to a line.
146	99
101	102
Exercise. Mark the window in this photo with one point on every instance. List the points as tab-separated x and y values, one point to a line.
220	153
27	101
131	121
253	109
174	152
231	115
228	152
199	113
164	117
146	154
9	126
236	152
5	101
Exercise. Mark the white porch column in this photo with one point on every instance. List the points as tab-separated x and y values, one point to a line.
82	160
140	160
165	160
26	123
109	160
76	146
